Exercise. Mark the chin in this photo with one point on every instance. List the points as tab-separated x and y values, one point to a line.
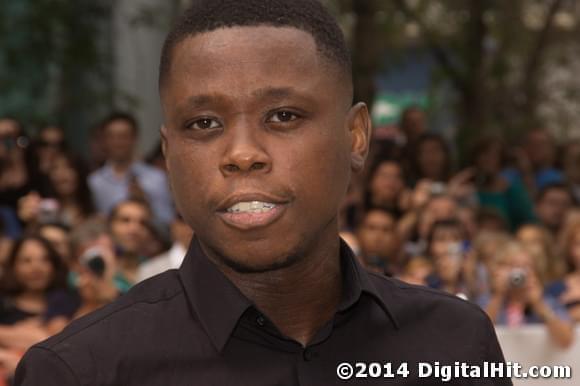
259	257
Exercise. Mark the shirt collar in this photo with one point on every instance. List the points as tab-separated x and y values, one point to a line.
219	304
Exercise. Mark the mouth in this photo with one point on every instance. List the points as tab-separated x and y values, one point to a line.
250	211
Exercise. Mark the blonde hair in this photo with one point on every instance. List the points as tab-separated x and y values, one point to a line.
539	260
569	233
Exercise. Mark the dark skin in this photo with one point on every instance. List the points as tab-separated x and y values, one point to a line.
260	111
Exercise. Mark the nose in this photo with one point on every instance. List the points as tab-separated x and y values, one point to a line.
244	153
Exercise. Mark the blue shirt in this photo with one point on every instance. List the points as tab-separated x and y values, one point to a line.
109	189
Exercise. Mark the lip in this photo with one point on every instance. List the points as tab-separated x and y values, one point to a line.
248	221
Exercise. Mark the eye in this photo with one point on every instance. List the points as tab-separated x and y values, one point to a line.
283	116
204	124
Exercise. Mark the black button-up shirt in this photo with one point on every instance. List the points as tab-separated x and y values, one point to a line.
192	326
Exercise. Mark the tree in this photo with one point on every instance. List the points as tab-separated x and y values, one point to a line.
493	53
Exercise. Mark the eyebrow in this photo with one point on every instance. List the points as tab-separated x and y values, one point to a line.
266	93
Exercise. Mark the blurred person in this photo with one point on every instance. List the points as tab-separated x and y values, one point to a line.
510	199
5	244
552	203
567	289
94	275
128	226
431	159
32	270
50	142
416	271
413	124
19	173
261	138
542	244
446	249
491	220
378	241
385	187
467	215
571	167
33	285
57	235
414	228
517	296
485	248
68	199
540	148
123	176
181	234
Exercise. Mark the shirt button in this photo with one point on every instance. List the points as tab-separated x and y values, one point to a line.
309	354
261	321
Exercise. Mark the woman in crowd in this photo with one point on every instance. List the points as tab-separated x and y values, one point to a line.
517	295
34	275
540	242
431	160
386	189
68	200
19	173
50	142
567	290
493	190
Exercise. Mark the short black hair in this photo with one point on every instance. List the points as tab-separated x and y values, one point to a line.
120	116
561	186
307	15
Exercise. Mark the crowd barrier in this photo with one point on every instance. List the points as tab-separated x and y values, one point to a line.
531	346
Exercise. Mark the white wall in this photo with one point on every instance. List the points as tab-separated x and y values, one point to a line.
531	346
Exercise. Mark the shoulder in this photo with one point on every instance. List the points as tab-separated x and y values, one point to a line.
411	304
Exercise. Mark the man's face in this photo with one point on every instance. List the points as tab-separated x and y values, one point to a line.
120	140
377	235
256	114
552	208
540	148
129	227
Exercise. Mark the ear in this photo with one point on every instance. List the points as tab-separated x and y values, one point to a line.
163	134
360	128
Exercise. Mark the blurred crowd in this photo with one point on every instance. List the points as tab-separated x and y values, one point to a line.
501	230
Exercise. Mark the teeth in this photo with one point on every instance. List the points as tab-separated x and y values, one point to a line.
251	207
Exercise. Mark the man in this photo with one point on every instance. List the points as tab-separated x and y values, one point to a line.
541	150
123	177
377	235
260	139
128	228
552	204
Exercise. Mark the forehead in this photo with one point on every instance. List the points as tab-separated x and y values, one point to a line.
238	61
131	209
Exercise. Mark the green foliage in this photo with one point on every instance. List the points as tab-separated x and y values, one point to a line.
54	59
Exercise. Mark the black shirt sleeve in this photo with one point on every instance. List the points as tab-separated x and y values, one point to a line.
41	366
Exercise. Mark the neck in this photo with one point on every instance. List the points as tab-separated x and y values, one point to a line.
301	298
121	166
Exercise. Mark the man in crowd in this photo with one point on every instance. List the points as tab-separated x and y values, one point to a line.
552	204
123	176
